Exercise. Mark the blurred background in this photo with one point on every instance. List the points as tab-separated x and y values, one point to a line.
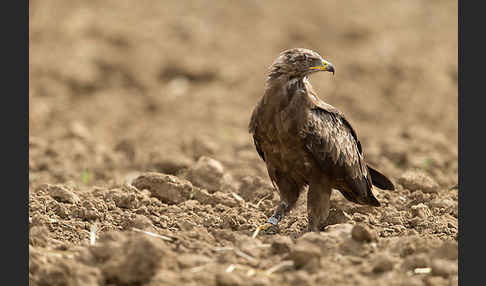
118	87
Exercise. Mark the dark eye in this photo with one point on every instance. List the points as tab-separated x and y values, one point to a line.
316	62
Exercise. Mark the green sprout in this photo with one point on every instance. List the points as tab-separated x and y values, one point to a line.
426	163
85	176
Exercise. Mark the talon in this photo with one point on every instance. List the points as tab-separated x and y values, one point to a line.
267	228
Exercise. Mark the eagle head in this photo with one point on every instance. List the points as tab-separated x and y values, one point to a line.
299	62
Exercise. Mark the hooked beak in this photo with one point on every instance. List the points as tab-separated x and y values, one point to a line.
330	68
326	66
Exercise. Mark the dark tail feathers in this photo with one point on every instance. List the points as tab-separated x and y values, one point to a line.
380	180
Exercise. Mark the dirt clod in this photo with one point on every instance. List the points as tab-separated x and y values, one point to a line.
207	173
447	250
200	147
62	194
339	230
444	268
415	261
168	188
188	260
362	233
124	200
228	279
138	221
66	272
143	257
382	263
304	252
252	189
281	244
414	180
421	211
337	216
170	162
39	236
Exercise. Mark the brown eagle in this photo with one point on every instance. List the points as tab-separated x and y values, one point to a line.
307	142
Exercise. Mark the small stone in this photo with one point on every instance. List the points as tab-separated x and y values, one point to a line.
414	180
361	233
62	194
178	86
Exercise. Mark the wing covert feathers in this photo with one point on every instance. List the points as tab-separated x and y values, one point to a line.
334	145
380	180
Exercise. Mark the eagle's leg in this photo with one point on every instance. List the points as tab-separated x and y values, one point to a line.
318	203
289	193
282	209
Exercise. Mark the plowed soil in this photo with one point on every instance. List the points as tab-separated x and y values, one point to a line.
142	171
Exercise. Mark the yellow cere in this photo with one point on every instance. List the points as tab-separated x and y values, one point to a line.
319	67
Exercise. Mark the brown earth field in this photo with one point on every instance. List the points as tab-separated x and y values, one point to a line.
142	170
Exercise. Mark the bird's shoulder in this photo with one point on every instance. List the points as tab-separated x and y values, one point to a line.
334	119
253	119
332	141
